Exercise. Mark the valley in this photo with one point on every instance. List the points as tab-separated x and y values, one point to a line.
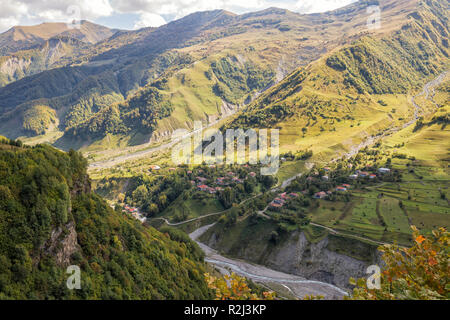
298	286
88	174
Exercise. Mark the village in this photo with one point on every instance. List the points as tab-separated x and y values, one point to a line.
215	187
315	180
134	212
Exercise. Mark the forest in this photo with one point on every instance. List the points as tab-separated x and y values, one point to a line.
49	219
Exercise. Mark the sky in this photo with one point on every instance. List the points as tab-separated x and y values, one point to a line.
135	14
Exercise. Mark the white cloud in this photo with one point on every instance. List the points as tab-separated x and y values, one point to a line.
15	12
151	12
6	23
310	6
148	19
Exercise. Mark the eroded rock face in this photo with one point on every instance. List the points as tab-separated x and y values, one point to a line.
13	65
62	244
81	186
314	261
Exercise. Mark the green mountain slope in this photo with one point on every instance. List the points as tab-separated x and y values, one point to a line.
356	91
206	65
49	219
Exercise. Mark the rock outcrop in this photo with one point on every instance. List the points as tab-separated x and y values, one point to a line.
315	261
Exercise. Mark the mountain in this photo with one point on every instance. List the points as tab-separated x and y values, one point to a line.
49	219
202	67
357	90
25	37
27	50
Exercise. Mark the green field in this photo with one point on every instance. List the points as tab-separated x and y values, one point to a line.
363	218
192	208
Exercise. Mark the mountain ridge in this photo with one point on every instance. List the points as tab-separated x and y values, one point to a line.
184	70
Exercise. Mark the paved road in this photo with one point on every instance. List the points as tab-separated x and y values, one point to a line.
204	216
139	154
297	285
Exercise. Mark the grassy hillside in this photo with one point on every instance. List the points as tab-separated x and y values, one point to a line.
222	61
49	219
427	141
356	91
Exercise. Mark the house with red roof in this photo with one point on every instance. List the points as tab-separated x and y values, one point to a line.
319	195
363	174
275	205
211	190
237	180
278	201
284	196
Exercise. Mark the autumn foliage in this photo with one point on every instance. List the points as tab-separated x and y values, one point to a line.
234	287
420	272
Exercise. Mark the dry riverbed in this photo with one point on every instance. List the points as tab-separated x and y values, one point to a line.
297	285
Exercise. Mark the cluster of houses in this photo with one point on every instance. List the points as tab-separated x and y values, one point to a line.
364	174
204	187
134	212
322	194
344	187
220	182
279	201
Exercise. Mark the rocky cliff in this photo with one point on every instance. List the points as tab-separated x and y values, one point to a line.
333	259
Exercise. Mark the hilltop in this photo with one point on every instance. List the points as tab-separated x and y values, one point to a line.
27	50
24	37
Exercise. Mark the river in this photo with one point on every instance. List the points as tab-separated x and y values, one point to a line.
298	286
